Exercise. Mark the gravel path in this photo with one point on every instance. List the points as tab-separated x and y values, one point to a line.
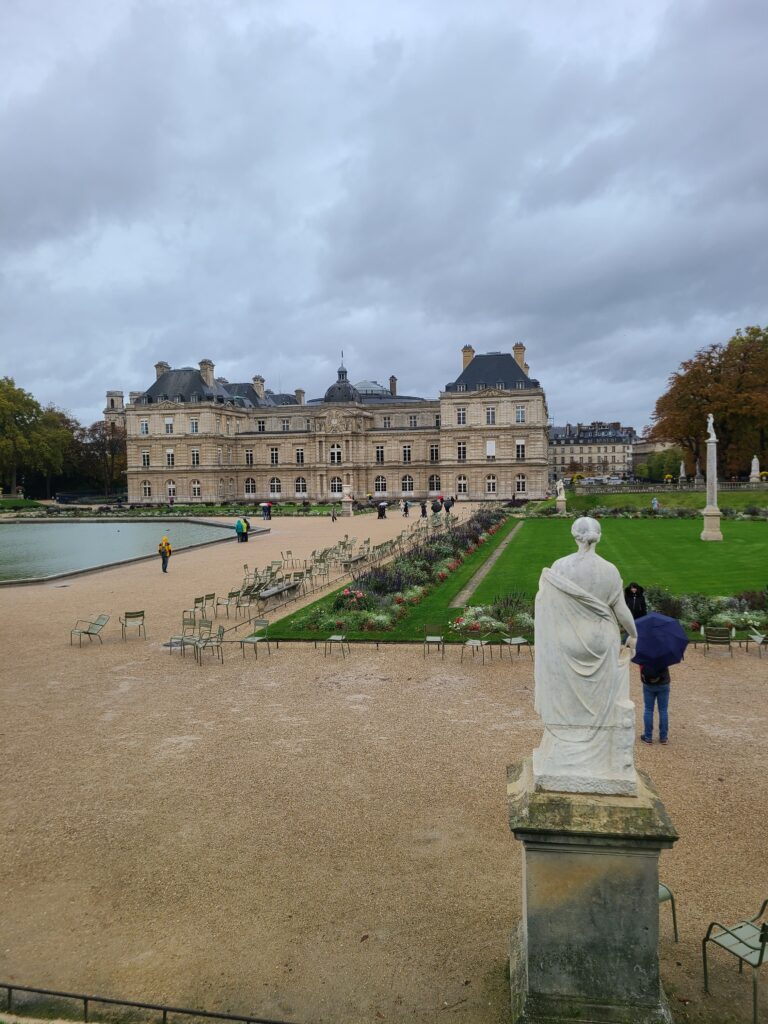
314	838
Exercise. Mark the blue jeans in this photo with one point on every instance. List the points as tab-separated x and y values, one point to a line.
655	695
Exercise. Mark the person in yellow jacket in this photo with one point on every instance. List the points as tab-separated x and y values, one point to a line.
165	551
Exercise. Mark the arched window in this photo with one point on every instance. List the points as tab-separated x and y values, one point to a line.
250	485
336	485
146	489
231	485
195	489
335	454
407	484
301	485
380	485
221	488
434	482
490	484
111	403
170	488
520	487
461	484
275	487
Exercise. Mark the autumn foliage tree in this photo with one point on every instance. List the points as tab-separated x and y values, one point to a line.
731	382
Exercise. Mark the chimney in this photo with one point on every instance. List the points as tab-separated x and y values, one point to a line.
393	386
206	371
134	396
519	352
299	393
467	355
160	369
258	385
223	381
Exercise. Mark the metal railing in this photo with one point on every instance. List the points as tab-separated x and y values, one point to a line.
86	1000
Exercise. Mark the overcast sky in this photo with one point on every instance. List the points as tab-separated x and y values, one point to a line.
267	182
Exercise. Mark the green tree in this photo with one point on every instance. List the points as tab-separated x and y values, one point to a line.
56	446
20	417
103	454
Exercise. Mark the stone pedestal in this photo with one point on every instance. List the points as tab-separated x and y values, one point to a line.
561	508
711	529
587	946
346	506
711	512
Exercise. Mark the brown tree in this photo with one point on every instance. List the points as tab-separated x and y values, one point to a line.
731	382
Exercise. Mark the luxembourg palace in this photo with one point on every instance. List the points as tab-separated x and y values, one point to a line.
192	437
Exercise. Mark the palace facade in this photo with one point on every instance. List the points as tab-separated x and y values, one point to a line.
192	437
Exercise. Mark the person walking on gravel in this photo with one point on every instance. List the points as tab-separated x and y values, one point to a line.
164	550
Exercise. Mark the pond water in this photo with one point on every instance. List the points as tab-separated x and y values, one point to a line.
37	550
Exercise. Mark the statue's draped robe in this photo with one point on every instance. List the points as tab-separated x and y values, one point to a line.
579	675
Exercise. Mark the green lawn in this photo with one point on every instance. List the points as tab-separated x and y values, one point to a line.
668	499
664	552
436	606
11	504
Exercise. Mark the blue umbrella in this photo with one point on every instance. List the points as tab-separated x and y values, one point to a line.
661	641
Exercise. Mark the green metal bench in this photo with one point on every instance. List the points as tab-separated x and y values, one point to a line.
717	636
747	941
90	629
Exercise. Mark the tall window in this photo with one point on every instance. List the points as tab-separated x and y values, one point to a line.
275	487
461	484
379	452
195	453
434	453
169	424
195	489
261	426
286	426
250	485
219	458
380	485
413	421
437	419
146	489
301	485
249	456
274	456
387	422
170	458
490	484
407	484
519	414
232	485
194	426
170	488
221	488
335	454
406	453
520	487
229	456
336	485
145	457
520	450
461	451
229	424
461	415
144	427
434	482
299	456
490	416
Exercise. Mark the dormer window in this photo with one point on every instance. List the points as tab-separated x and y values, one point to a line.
179	398
500	385
194	397
461	387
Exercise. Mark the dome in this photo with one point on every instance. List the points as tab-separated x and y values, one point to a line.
342	390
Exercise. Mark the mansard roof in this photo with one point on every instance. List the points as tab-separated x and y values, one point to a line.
492	370
185	385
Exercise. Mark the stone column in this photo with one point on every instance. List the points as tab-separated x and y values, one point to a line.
711	512
587	945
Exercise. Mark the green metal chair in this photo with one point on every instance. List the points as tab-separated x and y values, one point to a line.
433	637
133	620
340	640
665	896
90	629
188	627
747	941
228	601
213	642
203	630
717	636
209	599
477	643
261	628
510	641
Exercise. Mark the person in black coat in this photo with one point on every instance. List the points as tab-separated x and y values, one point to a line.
634	595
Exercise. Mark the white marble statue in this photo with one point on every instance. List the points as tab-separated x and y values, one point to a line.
582	674
711	427
754	472
560	486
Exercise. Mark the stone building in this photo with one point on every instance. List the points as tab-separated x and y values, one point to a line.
594	449
193	437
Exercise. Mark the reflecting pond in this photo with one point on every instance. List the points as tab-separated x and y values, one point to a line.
37	550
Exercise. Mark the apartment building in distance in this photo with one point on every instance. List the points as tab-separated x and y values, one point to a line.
593	449
193	437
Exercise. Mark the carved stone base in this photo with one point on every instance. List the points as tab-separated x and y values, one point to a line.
346	507
587	946
711	529
561	507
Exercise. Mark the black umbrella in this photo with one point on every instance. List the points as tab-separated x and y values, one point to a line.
661	641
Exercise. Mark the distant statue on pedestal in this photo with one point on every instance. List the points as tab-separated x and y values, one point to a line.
560	486
754	472
582	679
711	427
711	512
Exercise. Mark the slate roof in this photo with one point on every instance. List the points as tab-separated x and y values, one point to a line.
185	385
491	370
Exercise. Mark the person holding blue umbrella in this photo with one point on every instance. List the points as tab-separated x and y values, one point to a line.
661	642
